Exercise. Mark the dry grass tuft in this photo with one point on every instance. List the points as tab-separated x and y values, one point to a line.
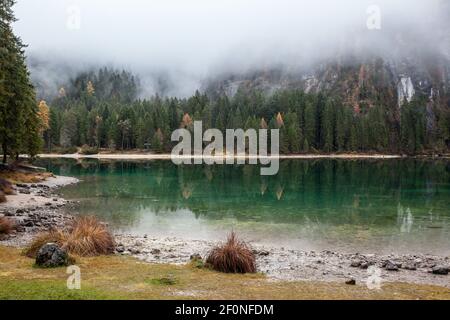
234	256
16	176
86	236
6	187
6	225
41	239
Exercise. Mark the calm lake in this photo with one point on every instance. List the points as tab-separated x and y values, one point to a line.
400	205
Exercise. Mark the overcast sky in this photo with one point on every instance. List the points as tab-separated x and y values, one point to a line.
195	38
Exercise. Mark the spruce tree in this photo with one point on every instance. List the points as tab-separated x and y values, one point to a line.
19	122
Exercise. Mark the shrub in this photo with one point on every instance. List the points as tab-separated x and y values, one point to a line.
6	225
233	256
86	236
86	150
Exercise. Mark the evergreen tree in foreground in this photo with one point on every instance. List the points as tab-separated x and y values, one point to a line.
19	121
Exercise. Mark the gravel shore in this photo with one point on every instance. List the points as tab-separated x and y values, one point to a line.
286	264
35	208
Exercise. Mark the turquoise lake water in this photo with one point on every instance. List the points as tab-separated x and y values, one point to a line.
397	205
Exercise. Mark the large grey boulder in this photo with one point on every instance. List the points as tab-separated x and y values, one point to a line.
50	255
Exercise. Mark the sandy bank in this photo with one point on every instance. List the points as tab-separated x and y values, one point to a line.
25	198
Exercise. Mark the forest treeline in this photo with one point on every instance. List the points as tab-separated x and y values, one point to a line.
101	110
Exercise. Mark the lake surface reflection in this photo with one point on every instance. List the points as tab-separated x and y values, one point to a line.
397	205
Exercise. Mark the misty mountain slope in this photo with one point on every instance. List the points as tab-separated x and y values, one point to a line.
367	83
317	69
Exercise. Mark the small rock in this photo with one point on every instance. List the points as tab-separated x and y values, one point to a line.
351	282
410	266
441	270
155	251
22	185
29	224
364	265
135	251
195	256
263	253
120	249
355	263
391	266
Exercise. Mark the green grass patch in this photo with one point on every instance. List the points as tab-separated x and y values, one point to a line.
49	290
164	281
119	277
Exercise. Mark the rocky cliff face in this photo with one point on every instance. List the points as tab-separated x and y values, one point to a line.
369	82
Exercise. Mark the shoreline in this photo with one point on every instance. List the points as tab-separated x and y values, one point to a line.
281	264
37	208
165	156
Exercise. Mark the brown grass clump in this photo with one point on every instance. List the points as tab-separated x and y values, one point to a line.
41	239
6	187
6	225
234	256
16	176
86	236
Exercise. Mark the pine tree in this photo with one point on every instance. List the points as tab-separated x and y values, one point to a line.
293	132
310	125
328	126
19	122
158	141
69	129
